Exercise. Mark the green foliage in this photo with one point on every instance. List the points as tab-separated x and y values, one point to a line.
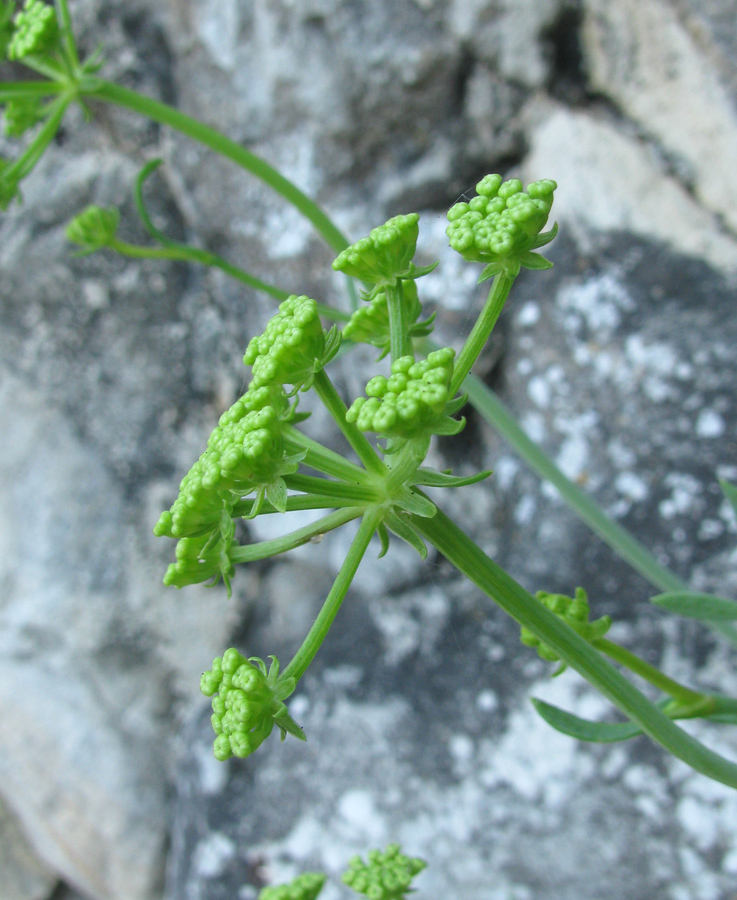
386	876
304	887
36	30
246	703
502	225
94	228
412	402
574	611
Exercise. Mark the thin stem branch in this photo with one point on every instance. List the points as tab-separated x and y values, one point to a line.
633	662
322	459
337	409
264	549
316	635
480	332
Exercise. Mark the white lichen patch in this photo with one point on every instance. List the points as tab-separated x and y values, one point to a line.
684	498
709	424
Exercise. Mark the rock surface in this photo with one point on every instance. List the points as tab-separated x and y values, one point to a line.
618	361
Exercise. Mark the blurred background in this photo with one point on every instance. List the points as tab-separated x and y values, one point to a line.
619	361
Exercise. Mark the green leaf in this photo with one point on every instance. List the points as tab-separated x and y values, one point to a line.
535	261
384	538
431	478
418	271
546	237
489	271
584	729
276	494
704	607
417	505
406	532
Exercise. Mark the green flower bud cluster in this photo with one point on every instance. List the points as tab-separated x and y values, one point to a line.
247	703
385	255
303	887
94	228
203	558
245	452
502	222
386	876
291	349
574	611
22	114
370	324
35	30
412	402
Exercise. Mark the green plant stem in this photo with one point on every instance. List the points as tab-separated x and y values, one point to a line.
360	494
399	341
244	508
67	36
337	409
469	559
297	538
198	131
35	150
633	662
480	332
14	89
316	635
322	459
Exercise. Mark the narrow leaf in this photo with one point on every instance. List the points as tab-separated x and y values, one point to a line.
489	272
405	531
583	729
546	237
535	261
415	504
431	478
704	607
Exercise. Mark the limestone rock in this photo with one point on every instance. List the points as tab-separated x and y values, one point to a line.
640	55
25	877
610	182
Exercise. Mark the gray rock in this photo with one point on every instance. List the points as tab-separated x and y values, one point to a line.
25	877
113	374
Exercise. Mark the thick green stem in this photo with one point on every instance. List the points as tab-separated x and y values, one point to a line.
645	670
297	538
480	332
337	409
469	559
399	340
316	635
